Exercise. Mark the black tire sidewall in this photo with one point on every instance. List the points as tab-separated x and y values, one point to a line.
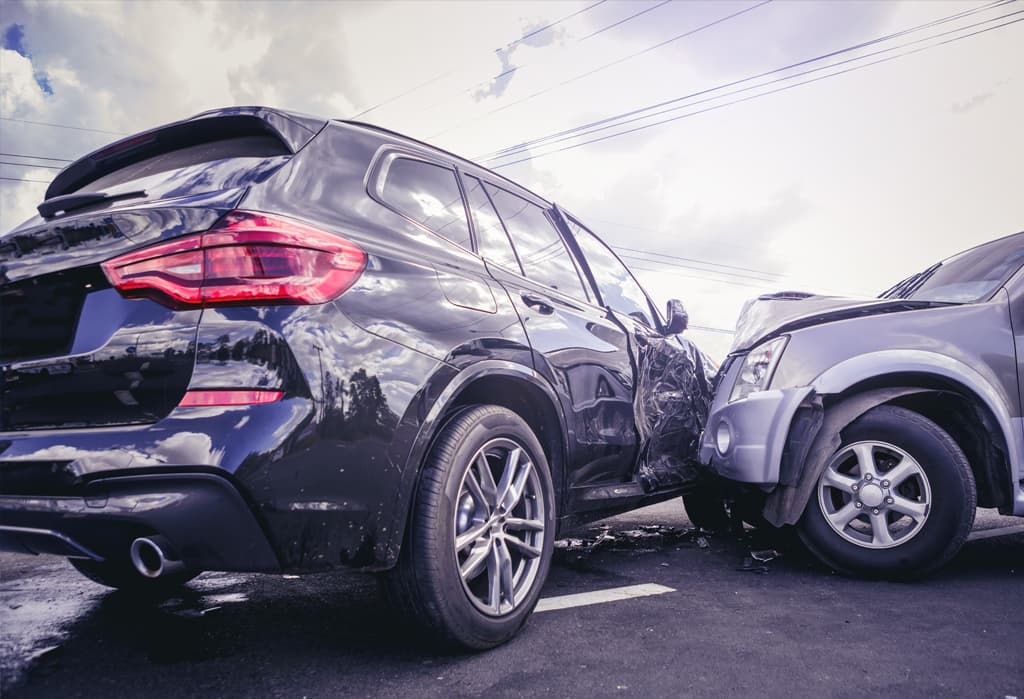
452	455
952	506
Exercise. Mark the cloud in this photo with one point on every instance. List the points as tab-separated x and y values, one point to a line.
967	105
537	34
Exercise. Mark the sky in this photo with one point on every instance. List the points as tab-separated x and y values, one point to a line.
843	185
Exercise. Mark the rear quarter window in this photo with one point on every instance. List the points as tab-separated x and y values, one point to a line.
428	194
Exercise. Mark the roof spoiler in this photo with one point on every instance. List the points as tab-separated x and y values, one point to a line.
294	130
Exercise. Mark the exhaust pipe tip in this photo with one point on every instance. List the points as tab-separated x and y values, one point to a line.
151	557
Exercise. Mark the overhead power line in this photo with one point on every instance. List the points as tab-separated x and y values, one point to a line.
64	126
22	179
764	94
48	167
35	157
604	66
588	127
707	329
452	71
696	260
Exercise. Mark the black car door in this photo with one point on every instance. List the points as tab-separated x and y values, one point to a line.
575	345
672	392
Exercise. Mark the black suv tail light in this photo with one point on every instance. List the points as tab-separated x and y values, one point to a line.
246	259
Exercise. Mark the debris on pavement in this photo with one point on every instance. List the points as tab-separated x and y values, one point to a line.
643	539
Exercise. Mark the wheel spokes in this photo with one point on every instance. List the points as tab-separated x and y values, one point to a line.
475	562
513	480
902	471
471	535
844	515
839	481
880	535
487	485
911	508
517	524
866	460
523	547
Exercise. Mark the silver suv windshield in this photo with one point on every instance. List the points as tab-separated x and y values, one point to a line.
970	276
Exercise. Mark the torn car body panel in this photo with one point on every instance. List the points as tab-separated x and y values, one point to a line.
672	399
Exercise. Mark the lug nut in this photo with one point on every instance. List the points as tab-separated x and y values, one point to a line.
874	511
856	487
858	504
885	484
867	477
890	500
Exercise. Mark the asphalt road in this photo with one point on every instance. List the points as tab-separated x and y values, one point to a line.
721	624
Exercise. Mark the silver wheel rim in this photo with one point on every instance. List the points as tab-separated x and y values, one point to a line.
875	495
499	527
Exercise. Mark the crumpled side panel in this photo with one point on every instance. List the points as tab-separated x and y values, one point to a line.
672	399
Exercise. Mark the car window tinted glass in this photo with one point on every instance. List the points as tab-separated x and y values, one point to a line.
541	249
429	194
491	240
969	276
618	288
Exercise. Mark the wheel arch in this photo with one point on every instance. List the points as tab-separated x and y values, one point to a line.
939	387
491	382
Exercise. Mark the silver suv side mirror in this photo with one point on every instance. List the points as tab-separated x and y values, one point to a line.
678	318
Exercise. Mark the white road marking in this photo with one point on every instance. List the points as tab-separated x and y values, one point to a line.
614	594
998	531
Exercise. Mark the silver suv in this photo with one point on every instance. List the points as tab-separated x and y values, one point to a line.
878	426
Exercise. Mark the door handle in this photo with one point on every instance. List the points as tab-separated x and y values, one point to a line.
538	302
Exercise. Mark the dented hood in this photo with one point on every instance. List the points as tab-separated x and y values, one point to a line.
773	314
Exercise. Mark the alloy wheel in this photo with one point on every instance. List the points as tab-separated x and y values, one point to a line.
875	495
499	527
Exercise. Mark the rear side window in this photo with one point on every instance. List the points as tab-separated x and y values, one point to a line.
619	290
541	249
428	194
492	242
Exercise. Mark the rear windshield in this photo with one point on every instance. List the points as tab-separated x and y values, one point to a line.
970	276
204	167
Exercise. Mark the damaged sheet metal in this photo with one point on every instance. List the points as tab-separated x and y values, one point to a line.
671	403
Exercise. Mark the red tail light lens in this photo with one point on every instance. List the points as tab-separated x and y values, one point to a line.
195	399
246	259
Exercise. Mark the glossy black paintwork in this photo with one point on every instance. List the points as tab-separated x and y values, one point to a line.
331	469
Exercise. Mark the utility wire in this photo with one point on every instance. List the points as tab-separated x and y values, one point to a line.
35	157
446	74
48	167
695	260
680	265
63	126
589	127
617	61
762	94
22	179
707	329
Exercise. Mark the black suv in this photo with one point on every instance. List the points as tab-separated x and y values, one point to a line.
259	341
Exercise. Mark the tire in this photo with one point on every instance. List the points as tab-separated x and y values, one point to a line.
707	509
916	492
490	603
121	576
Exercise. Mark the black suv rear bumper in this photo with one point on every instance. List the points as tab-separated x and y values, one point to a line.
203	516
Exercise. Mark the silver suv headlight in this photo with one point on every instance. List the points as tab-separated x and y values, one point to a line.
758	367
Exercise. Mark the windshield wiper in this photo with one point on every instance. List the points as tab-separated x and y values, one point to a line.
908	286
68	202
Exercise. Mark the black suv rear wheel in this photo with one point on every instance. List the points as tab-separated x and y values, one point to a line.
479	542
896	500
